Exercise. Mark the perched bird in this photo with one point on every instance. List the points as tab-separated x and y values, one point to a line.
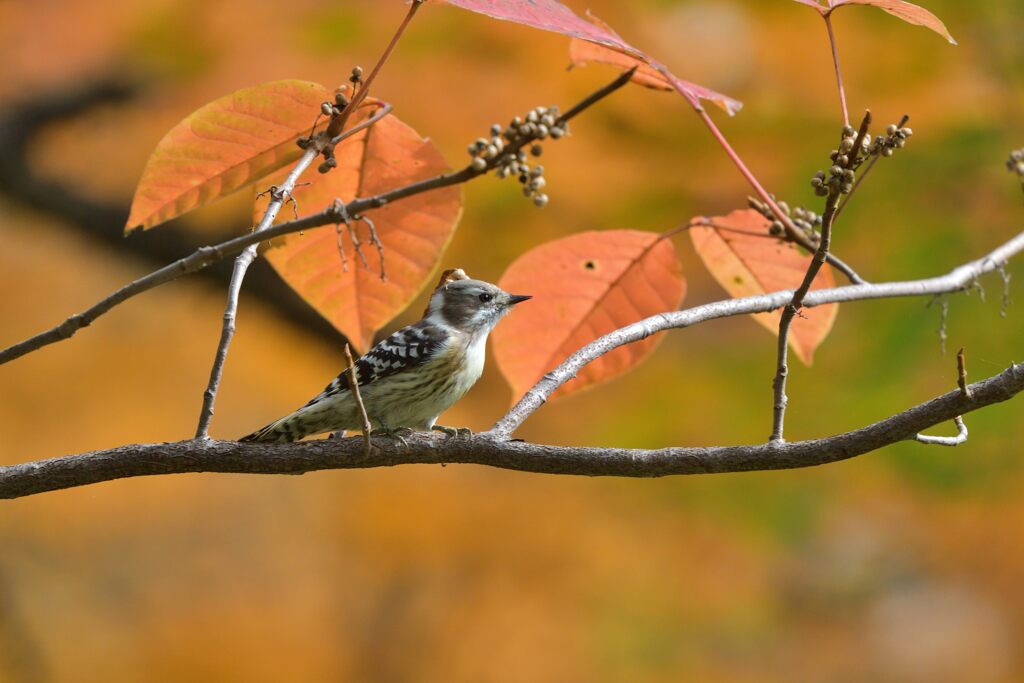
414	375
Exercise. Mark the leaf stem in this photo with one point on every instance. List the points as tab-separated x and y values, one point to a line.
835	62
338	123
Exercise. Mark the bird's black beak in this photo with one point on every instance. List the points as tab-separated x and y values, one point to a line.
514	299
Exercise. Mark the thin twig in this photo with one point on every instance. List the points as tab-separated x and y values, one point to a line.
485	449
205	256
353	383
1006	291
789	312
242	262
337	123
961	375
839	73
383	109
341	246
375	240
960	438
357	246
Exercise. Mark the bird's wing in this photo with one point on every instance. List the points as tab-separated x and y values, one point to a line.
403	350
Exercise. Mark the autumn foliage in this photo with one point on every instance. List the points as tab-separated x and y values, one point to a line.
466	573
586	285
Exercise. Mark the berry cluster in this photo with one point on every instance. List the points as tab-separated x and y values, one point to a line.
846	160
805	219
505	150
895	137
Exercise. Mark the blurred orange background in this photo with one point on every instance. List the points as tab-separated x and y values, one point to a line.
902	565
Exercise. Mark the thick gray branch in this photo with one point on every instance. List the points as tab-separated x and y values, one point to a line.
958	279
484	449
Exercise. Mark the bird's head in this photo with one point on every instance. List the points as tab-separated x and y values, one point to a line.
472	306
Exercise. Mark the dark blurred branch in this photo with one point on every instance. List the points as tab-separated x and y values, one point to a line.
103	222
485	449
205	256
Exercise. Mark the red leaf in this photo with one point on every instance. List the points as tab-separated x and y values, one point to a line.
414	231
224	146
584	286
746	261
908	12
551	15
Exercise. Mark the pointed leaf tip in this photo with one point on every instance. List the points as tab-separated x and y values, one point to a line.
907	11
222	147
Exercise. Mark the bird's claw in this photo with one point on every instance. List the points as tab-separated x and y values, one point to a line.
454	432
397	434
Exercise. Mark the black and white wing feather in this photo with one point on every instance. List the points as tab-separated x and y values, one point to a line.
404	350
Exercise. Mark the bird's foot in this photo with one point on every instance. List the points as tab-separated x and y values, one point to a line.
397	434
454	432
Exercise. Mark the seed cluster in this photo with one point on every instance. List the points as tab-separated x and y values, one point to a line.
805	219
846	160
505	149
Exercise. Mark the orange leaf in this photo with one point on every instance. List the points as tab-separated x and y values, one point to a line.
584	286
414	231
908	12
747	261
551	15
224	146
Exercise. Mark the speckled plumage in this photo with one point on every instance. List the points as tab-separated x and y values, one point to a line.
411	377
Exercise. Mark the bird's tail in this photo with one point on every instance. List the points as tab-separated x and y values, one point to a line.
288	428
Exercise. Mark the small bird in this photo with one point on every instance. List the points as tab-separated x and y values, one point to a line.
414	375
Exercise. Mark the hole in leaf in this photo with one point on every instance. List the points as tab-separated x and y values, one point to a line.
738	280
590	265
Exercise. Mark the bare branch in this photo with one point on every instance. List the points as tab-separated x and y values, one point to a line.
960	438
817	261
958	279
204	256
485	449
279	196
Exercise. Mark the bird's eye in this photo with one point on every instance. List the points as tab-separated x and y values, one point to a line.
485	297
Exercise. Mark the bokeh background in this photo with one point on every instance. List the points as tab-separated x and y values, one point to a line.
902	565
